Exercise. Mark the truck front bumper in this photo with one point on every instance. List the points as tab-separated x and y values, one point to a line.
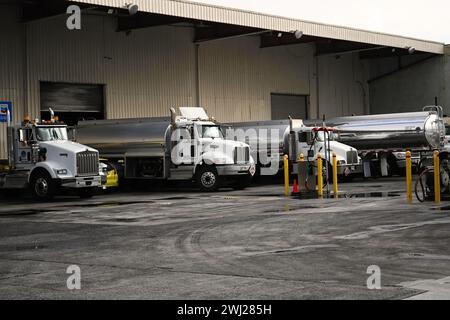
82	182
401	163
233	169
349	169
344	170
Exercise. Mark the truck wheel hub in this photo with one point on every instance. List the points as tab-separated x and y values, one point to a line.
41	187
208	179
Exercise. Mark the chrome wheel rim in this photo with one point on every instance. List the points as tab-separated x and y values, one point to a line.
208	179
41	187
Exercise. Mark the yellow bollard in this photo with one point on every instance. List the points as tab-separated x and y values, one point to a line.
300	168
286	175
437	180
335	180
409	196
319	176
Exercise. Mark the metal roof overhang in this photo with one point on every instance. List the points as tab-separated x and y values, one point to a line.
203	12
213	23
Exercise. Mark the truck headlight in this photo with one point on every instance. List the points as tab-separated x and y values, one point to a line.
399	155
61	171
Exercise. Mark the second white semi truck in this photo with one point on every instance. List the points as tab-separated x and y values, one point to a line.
188	146
271	140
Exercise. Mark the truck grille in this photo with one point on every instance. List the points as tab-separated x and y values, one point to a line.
352	157
87	163
241	155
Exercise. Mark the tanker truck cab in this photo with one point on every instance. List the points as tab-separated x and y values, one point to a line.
311	141
41	157
215	161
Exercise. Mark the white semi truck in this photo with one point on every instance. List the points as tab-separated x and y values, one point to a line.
41	157
189	146
271	140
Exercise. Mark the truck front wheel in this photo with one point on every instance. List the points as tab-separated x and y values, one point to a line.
42	186
208	179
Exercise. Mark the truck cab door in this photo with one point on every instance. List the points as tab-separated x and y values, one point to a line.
23	143
182	147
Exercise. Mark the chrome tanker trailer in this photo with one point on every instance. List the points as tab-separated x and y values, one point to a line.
189	146
383	139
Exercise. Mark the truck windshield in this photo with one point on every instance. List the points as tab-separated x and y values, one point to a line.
320	136
209	132
447	130
51	133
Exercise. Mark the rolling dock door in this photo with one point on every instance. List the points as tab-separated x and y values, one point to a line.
72	102
284	105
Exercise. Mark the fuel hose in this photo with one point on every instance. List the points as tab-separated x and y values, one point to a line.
421	194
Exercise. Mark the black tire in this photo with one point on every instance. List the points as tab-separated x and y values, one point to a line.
86	193
242	182
42	186
207	179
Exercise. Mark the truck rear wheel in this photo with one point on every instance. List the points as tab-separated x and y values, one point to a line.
208	179
42	186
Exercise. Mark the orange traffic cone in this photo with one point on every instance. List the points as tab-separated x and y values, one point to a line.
295	188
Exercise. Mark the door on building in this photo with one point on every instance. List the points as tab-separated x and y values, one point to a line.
72	102
285	105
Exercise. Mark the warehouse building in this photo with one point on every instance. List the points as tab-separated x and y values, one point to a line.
239	65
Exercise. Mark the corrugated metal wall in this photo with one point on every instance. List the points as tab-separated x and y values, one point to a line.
237	77
11	66
343	88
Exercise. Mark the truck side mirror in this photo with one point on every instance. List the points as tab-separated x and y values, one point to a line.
22	135
72	134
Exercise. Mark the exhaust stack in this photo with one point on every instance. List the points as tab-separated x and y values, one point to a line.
173	115
52	115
